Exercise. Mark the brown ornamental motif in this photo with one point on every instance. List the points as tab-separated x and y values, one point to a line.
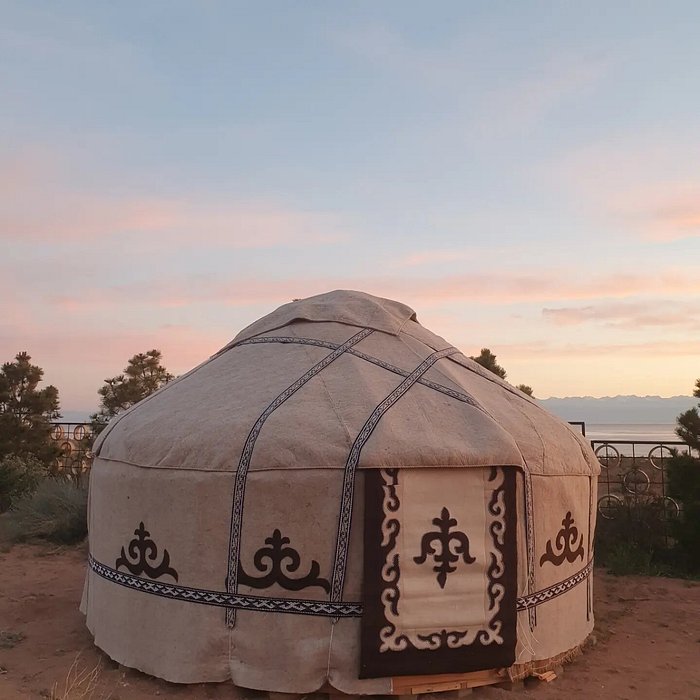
447	555
565	541
144	551
281	560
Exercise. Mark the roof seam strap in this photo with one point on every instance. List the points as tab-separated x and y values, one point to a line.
247	454
348	489
458	395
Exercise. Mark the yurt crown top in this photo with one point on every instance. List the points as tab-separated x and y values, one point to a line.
342	306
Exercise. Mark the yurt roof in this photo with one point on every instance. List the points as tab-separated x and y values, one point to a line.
342	306
453	414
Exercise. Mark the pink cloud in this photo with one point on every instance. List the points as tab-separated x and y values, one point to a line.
645	182
676	221
630	316
78	360
493	288
659	210
104	346
40	206
646	350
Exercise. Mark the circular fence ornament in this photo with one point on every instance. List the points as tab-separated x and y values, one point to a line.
608	455
660	453
670	507
56	432
610	506
636	481
79	433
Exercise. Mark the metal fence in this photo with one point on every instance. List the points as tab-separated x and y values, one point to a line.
634	480
74	441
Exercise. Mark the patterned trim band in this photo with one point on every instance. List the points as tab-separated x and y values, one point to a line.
288	605
226	600
531	601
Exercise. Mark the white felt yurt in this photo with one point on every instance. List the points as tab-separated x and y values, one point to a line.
340	499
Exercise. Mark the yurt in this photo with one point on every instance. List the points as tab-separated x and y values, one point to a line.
341	501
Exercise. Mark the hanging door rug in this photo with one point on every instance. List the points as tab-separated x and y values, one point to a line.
440	571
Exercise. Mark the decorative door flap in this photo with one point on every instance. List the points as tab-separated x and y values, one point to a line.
440	571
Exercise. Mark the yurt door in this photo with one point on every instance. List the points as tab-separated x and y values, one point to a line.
439	572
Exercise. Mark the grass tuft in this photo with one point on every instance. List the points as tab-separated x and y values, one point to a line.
79	684
625	559
56	512
9	640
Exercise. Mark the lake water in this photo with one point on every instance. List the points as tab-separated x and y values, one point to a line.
661	432
638	432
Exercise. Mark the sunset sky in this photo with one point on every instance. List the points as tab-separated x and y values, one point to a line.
525	175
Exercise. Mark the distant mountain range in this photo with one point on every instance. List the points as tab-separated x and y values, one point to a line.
620	409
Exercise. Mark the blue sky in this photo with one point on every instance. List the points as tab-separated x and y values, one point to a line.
525	175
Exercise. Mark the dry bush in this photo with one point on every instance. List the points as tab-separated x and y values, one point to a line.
81	683
56	511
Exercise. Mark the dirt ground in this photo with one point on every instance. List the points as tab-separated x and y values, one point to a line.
647	632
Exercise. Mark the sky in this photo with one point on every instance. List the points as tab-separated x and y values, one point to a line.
526	176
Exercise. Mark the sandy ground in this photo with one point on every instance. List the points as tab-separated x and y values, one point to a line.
647	631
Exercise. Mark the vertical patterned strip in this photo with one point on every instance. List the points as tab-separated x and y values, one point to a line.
530	541
246	456
589	597
348	491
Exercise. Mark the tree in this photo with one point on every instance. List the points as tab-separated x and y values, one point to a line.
142	376
683	472
19	477
26	411
488	361
688	428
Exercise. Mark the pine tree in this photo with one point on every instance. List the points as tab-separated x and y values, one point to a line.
688	428
26	411
488	361
143	375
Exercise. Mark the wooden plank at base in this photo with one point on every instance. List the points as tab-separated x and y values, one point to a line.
435	687
413	685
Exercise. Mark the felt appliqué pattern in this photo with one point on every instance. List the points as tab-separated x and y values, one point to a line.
143	549
564	542
282	560
451	547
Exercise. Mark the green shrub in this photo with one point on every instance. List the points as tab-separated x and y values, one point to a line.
633	537
683	472
684	485
625	558
19	476
56	511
